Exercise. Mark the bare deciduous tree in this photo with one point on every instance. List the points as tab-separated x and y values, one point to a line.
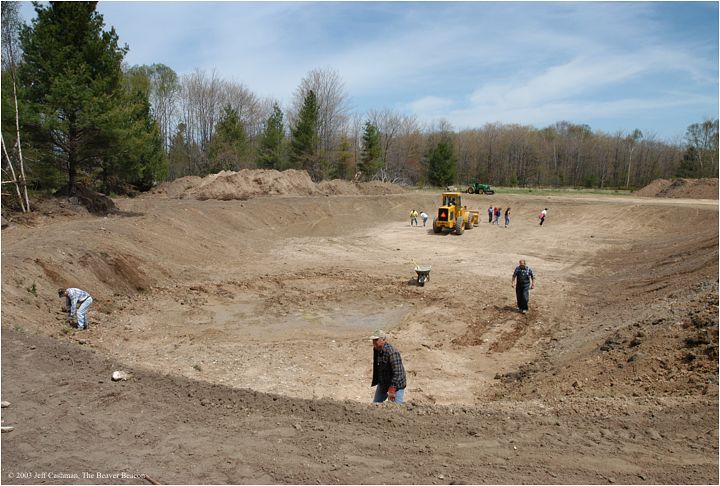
632	140
201	105
10	56
164	96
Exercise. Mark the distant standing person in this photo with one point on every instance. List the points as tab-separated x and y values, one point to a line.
388	370
543	213
413	218
77	301
523	280
424	217
507	217
498	212
490	214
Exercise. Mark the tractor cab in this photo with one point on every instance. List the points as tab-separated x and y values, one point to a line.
451	199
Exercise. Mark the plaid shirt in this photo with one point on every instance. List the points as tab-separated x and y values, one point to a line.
523	275
388	368
75	296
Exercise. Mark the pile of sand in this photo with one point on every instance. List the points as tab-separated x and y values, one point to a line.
681	188
177	187
247	183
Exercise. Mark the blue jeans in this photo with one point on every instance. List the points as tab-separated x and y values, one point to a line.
82	312
381	395
522	292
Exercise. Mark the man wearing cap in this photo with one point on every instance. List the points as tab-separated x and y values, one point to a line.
77	301
523	280
388	370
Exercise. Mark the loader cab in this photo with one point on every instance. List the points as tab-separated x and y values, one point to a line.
451	199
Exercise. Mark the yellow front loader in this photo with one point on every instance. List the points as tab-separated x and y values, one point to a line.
453	215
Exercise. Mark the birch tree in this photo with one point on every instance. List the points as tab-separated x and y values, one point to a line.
10	57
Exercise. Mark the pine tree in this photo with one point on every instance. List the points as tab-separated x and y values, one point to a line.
228	147
689	166
272	152
441	164
304	145
81	116
138	159
343	168
371	156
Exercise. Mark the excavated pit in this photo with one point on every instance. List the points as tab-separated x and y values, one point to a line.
210	303
217	291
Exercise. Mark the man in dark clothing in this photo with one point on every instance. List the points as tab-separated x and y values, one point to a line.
523	280
388	370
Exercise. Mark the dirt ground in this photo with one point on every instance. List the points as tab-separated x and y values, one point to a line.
244	324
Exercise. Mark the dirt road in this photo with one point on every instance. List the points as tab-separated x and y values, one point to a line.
245	325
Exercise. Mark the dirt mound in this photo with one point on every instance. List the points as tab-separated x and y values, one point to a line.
245	184
375	188
652	189
95	202
177	187
338	187
681	188
46	209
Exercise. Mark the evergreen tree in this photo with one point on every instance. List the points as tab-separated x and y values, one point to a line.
690	165
343	168
179	154
228	147
139	159
80	114
441	164
371	156
140	143
272	152
304	145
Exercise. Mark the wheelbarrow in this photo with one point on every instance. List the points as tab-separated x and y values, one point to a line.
423	274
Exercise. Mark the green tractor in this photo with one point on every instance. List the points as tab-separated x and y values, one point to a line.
477	188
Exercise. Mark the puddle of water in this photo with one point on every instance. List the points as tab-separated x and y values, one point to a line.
247	318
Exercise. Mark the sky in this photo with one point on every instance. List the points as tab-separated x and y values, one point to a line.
615	66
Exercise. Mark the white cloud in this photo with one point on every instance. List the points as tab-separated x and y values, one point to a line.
577	111
469	62
431	105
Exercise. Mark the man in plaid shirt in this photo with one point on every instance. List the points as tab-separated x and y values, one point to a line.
388	370
523	280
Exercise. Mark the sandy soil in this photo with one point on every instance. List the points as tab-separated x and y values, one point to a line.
681	188
244	323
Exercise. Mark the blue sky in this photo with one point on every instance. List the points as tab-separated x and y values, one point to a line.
611	65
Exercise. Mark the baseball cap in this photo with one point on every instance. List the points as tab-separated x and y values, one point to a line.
378	334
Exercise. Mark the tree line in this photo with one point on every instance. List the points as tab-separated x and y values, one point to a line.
83	115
